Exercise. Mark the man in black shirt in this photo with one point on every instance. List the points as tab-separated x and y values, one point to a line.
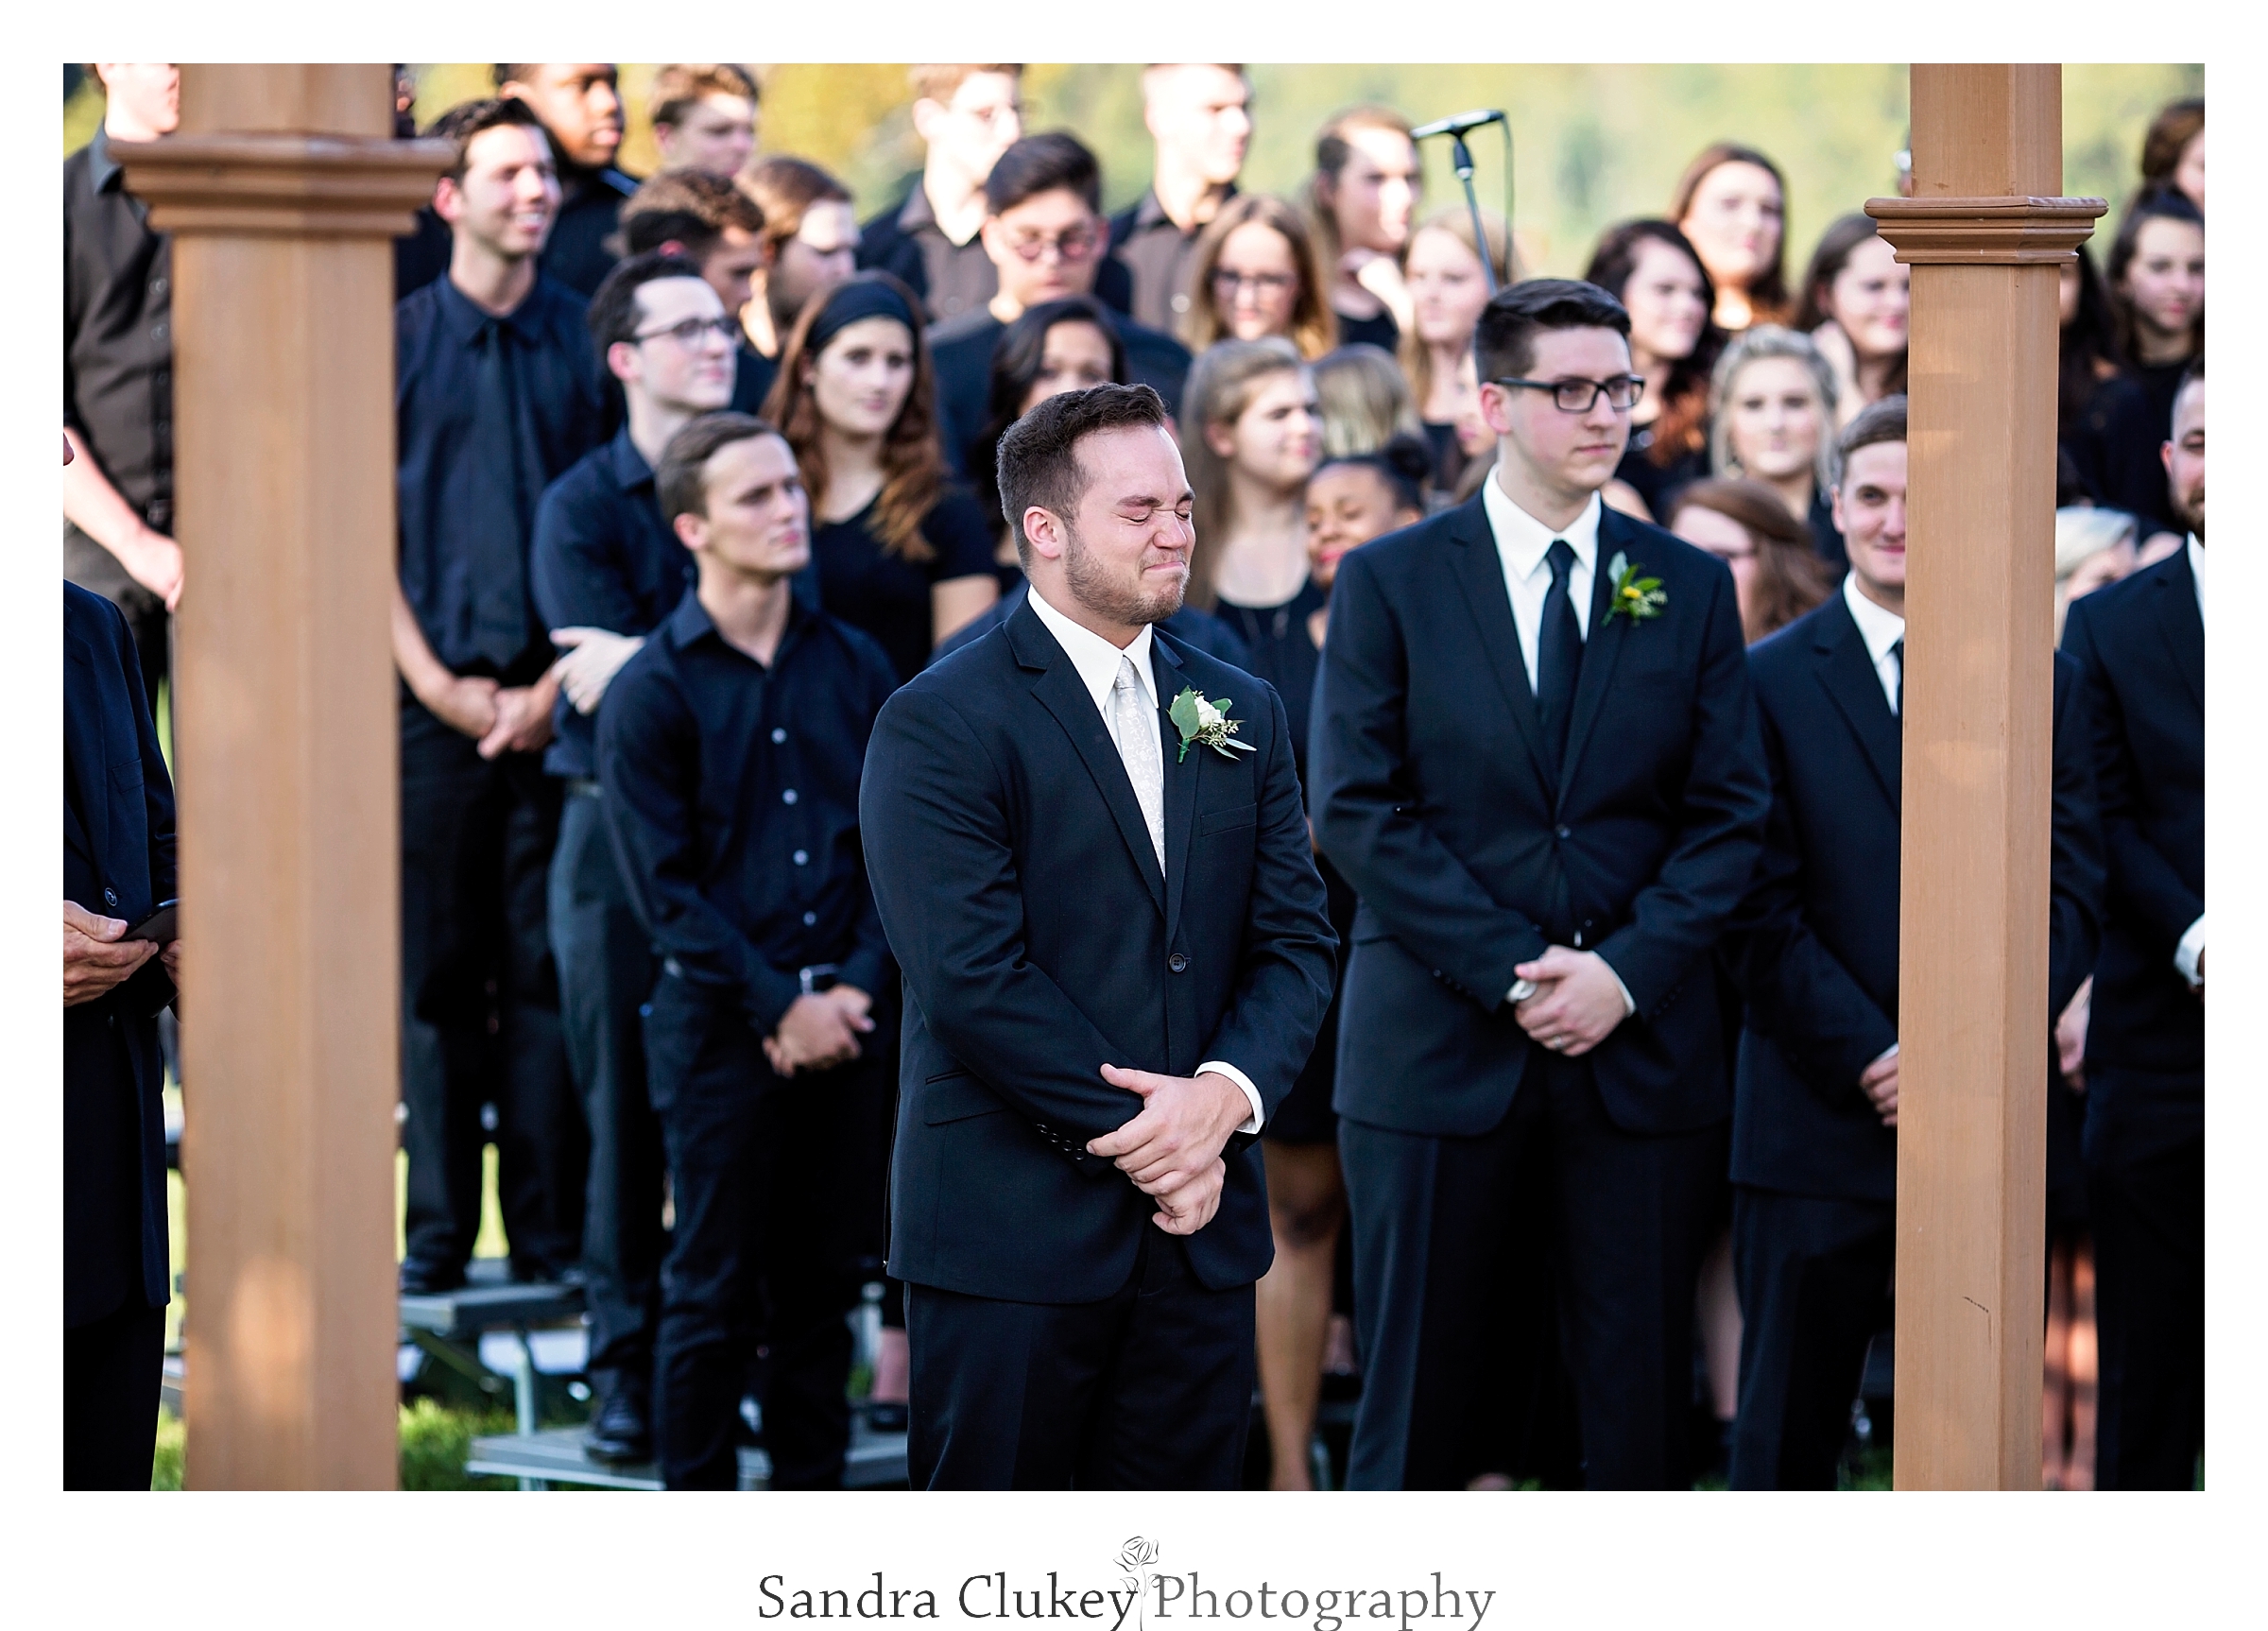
968	113
581	110
729	753
118	370
605	569
494	396
712	222
1043	234
1199	115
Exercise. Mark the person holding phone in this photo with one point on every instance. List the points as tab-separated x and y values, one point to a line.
118	867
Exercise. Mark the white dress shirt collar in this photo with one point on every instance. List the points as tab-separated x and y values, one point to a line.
1095	658
2197	570
1523	541
1880	629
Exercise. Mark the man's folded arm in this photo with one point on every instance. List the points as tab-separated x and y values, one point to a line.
944	878
1436	910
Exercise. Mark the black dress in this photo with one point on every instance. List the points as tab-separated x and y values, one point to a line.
887	595
1379	331
1656	483
1826	536
1285	655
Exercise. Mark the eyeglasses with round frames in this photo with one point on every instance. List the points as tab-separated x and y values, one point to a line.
1578	395
1228	284
1073	244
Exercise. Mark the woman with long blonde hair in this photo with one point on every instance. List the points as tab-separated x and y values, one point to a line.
1448	287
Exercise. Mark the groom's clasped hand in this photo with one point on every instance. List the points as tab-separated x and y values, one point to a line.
1172	1149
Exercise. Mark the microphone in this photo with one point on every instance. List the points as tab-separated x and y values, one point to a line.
1457	124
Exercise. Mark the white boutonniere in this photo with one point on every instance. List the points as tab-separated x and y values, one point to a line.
1205	723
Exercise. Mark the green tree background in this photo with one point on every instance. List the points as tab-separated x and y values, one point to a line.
1592	144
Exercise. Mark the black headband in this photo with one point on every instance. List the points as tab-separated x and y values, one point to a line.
853	302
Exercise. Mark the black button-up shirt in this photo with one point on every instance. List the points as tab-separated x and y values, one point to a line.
603	559
731	790
906	242
590	206
439	335
118	332
960	356
1157	256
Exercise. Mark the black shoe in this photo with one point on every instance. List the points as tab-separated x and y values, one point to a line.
424	1277
622	1430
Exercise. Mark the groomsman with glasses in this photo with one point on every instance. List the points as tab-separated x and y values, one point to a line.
1535	759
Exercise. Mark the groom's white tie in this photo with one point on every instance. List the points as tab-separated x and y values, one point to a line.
1135	725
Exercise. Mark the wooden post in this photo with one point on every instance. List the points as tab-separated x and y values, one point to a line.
1985	232
283	190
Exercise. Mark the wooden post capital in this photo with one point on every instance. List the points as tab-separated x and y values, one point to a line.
282	186
1993	231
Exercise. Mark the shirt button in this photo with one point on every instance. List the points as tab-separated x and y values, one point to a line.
802	857
778	734
157	287
1562	833
809	919
1177	962
788	797
158	331
1180	303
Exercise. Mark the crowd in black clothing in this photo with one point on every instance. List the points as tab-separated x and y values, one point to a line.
635	906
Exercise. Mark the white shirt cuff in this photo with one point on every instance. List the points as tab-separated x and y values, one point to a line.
1222	1068
1629	1002
2190	949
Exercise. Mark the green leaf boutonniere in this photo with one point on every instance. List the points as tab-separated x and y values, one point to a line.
1207	723
1634	597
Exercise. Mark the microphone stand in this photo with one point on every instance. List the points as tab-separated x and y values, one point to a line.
1460	159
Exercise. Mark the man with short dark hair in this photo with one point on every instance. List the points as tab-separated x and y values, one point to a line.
606	570
1535	757
709	220
729	752
2142	645
495	396
966	115
1044	232
704	117
1814	948
1088	846
118	371
1199	115
581	110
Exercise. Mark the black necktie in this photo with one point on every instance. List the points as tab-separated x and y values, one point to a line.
497	522
1897	650
1559	652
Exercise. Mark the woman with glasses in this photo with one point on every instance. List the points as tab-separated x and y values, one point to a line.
1062	346
1363	201
900	555
1448	287
1652	271
1254	278
1772	419
1856	299
1731	205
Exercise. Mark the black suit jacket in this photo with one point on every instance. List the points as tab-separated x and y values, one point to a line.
1814	946
1022	899
1471	856
118	862
2141	647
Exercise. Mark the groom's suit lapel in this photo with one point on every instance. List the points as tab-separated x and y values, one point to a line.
1058	687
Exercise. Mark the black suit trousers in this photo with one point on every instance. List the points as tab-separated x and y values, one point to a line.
113	1368
606	967
2149	1220
480	1004
1433	1217
764	1170
1149	1388
1815	1280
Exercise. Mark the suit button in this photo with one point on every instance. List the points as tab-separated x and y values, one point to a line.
109	897
1177	962
1561	833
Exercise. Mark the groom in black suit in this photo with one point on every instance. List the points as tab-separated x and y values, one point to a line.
1535	758
1116	956
1816	946
2141	646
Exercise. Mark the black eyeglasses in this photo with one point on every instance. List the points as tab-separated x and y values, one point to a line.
1577	395
693	330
